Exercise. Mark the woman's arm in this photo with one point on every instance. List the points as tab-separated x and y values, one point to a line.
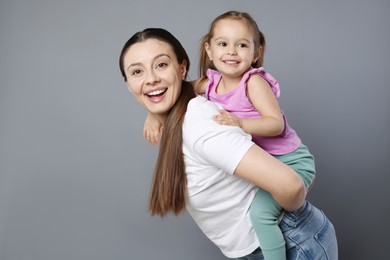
265	171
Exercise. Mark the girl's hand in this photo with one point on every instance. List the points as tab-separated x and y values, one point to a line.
226	118
152	129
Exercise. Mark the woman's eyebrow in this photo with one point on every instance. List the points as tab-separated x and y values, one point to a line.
155	58
134	64
162	55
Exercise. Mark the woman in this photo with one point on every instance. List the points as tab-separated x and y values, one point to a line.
211	170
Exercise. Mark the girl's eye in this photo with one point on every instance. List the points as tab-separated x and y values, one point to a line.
222	44
242	45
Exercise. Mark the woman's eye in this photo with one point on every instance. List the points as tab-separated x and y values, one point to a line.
136	72
162	65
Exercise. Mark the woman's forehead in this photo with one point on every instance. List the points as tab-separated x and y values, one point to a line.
148	50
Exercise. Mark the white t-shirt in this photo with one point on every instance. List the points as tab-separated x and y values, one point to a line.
218	201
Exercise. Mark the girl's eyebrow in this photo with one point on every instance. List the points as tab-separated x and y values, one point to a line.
223	38
155	58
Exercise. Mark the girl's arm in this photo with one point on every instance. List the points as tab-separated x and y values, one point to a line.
263	99
152	129
265	171
199	85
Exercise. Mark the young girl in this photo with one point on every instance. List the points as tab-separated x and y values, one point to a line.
232	75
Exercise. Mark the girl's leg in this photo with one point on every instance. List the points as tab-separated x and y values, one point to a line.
308	233
302	162
264	214
255	255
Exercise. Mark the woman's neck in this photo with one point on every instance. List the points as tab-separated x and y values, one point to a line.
162	118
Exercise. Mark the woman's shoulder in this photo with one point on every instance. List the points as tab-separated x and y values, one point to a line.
198	119
205	137
200	105
199	114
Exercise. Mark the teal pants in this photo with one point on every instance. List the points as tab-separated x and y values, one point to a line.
264	210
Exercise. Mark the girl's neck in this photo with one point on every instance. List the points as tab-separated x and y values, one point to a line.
227	84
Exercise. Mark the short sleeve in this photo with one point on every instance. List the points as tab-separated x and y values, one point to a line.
212	77
265	75
223	148
217	145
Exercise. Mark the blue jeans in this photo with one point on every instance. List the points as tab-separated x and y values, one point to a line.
309	235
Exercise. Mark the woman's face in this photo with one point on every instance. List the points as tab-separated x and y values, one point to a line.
154	75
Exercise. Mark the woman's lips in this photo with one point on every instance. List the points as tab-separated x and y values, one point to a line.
156	94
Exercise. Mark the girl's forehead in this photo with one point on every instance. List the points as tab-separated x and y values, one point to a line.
231	27
229	22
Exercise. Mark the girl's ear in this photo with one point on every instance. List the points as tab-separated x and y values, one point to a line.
208	51
257	54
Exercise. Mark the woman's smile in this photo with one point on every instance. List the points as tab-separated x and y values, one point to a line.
156	95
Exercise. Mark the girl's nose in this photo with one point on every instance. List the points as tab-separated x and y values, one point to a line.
232	50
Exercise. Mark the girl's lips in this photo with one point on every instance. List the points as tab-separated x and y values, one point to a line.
233	62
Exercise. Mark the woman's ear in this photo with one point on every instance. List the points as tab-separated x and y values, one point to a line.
183	69
128	86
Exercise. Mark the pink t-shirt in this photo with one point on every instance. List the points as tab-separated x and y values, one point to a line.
237	103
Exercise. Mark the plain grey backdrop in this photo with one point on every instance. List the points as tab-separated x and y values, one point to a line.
75	171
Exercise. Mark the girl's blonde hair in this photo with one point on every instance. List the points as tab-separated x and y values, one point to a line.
258	40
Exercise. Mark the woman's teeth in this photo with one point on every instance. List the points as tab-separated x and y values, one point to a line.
156	92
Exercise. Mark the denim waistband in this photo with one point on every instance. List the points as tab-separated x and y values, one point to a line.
294	218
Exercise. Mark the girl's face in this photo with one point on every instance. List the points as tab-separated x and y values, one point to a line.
154	76
231	49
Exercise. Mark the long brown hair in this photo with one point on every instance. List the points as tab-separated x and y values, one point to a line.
169	185
258	39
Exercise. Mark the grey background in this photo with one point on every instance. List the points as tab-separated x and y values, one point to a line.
75	171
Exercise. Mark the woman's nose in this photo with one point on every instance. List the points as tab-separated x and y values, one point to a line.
152	78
